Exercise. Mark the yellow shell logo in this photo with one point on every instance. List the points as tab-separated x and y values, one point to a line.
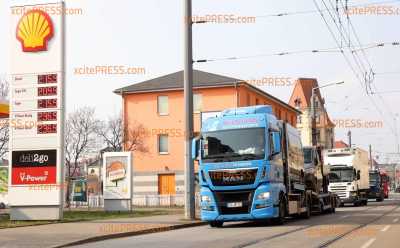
34	30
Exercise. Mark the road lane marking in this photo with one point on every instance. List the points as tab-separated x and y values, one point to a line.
369	242
395	220
385	228
345	216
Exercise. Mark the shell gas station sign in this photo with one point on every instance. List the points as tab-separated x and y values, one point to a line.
37	97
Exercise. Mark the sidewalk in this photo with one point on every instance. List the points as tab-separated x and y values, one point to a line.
59	235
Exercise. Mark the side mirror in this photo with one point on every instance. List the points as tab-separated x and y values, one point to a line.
195	148
358	175
277	143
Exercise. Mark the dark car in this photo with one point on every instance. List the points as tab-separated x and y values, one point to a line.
397	190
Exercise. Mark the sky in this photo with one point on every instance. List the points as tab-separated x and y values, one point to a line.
149	34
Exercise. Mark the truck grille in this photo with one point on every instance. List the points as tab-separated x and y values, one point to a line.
233	177
225	197
339	190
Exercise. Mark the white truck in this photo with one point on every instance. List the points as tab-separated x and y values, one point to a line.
349	174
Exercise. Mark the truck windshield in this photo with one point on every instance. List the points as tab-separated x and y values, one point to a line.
373	179
307	155
234	144
341	175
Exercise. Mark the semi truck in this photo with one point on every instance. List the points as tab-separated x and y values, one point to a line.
349	174
376	189
251	167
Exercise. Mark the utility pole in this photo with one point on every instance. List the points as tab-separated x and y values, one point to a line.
349	136
188	95
371	160
313	118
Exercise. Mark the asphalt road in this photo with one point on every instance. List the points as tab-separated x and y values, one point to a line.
375	225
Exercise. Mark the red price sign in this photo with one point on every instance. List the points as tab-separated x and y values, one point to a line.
47	79
47	103
47	116
46	128
47	91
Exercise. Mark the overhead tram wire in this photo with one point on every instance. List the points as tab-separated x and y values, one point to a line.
372	77
322	50
302	12
367	81
346	58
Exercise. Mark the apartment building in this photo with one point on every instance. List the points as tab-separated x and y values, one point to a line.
158	106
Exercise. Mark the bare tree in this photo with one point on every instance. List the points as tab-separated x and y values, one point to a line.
80	137
111	133
119	137
134	138
4	125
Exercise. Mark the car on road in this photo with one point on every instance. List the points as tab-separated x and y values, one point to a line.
397	190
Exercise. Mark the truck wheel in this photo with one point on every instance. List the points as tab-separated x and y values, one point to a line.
281	215
216	224
321	208
307	213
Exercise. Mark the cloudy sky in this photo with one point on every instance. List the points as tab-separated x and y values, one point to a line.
148	34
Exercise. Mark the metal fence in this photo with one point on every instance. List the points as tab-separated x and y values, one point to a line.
97	201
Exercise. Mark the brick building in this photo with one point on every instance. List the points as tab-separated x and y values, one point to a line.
301	100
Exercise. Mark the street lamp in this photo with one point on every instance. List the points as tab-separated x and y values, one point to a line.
313	112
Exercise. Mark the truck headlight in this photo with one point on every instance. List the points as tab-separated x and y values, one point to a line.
263	196
205	198
353	193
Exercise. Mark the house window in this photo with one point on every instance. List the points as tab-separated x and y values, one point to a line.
297	103
163	144
162	105
257	102
299	119
248	99
197	103
317	119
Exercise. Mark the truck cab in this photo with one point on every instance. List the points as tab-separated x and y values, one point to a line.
251	167
348	176
240	166
376	189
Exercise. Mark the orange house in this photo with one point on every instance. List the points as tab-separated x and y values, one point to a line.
157	104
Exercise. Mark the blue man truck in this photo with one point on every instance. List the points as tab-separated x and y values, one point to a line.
251	167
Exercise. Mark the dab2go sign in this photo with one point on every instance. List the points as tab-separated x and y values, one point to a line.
34	167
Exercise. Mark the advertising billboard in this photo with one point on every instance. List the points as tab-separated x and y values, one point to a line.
3	180
34	167
79	192
117	175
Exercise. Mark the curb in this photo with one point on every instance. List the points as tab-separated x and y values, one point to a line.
130	234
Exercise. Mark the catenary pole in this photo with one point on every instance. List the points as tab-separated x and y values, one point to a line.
188	95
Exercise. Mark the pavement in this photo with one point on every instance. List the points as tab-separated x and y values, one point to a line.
374	226
64	234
